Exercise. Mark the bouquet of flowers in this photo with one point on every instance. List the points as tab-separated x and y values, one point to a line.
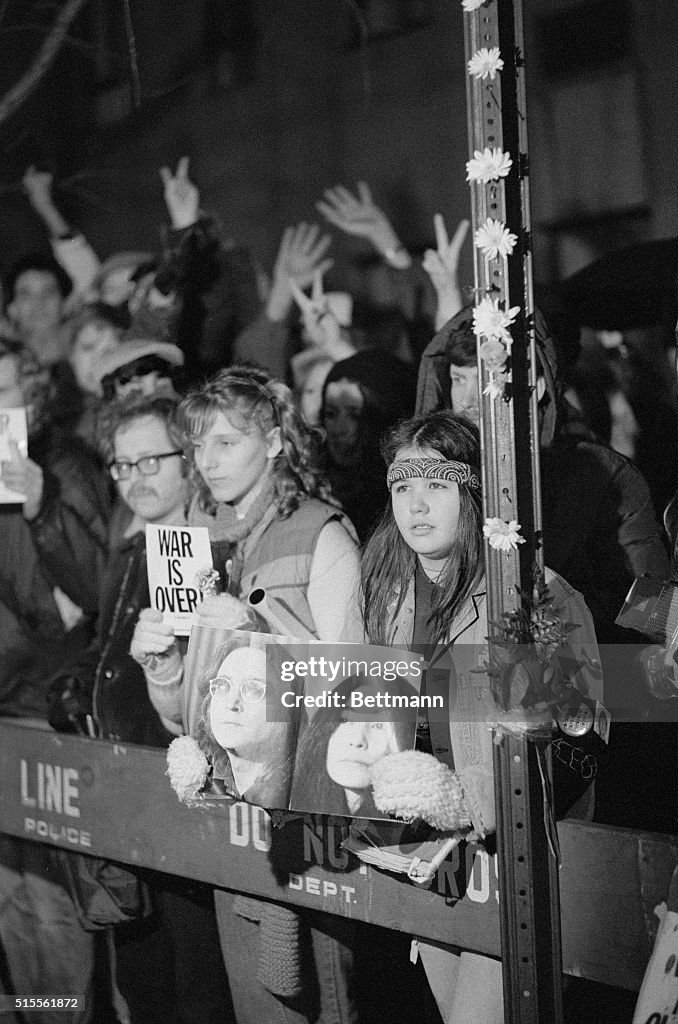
526	681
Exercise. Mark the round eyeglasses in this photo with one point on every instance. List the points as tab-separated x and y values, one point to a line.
149	465
252	691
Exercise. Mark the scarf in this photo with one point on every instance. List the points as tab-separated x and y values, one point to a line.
228	531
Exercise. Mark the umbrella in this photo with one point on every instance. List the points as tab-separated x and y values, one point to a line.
634	287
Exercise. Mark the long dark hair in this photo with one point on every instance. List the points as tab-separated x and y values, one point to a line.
387	386
313	788
249	397
389	563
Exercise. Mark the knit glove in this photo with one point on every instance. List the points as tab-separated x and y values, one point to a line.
155	648
416	785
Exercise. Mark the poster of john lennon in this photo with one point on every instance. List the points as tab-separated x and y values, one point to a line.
299	726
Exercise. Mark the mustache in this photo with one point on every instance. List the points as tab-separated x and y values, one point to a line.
140	490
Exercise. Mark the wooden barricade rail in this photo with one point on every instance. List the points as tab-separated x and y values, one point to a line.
115	801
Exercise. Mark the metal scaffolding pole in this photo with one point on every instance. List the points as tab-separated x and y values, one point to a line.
528	870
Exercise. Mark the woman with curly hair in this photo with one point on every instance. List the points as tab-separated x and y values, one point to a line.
281	545
285	552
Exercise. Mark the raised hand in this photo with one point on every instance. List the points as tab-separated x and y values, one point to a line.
359	215
181	195
299	258
442	266
321	325
38	187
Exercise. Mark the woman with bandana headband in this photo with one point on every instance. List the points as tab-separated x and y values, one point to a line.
431	536
423	586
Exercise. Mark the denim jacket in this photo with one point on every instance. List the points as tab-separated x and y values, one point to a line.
470	707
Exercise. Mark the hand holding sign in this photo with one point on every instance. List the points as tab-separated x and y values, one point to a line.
22	475
13	452
152	639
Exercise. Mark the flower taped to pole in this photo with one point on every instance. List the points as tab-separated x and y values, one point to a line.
485	63
502	536
494	239
488	164
526	675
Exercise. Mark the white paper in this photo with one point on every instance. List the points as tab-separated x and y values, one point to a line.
13	427
175	555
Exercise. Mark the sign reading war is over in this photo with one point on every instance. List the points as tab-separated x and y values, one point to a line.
176	556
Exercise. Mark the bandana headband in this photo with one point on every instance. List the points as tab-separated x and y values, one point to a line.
433	469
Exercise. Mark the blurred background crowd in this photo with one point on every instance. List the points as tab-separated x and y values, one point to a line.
124	290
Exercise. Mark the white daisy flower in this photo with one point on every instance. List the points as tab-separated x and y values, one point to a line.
485	63
503	536
495	239
488	165
489	321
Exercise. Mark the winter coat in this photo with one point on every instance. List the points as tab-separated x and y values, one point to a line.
470	702
215	281
105	680
600	531
50	570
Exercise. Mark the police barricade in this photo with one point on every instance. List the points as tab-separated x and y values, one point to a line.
115	801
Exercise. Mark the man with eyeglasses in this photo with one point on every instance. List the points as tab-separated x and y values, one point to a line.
172	970
238	718
142	447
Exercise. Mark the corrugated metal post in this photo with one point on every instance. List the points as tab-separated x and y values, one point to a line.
528	871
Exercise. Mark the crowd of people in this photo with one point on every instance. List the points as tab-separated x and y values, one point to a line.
331	449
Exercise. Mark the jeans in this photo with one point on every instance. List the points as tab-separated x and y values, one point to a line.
327	996
43	948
